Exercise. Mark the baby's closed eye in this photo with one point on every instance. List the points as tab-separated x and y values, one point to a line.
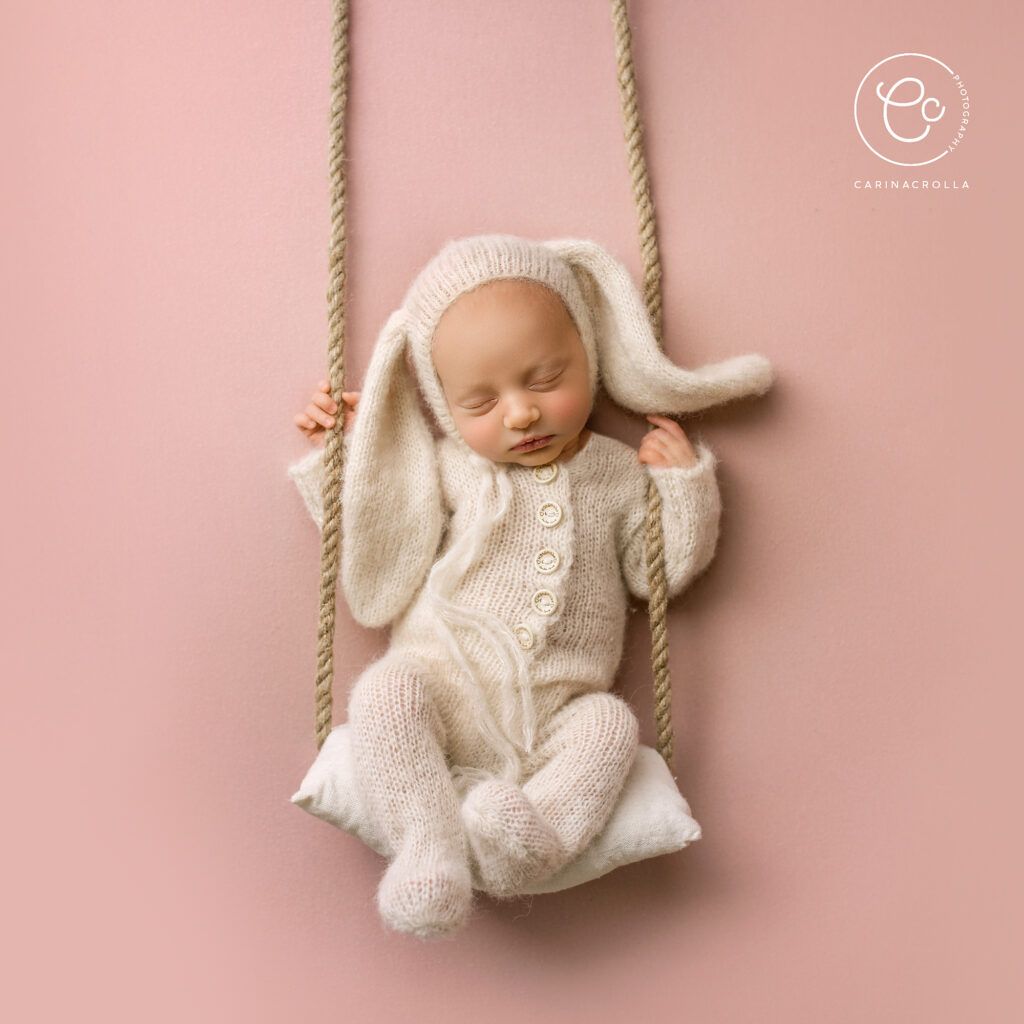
546	383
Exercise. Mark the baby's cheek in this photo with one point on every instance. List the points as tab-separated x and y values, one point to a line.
569	407
474	432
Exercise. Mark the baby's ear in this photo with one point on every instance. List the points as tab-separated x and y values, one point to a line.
392	513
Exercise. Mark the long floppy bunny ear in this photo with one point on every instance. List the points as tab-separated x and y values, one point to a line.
392	511
633	369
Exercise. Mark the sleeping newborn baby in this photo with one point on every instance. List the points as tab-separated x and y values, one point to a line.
503	555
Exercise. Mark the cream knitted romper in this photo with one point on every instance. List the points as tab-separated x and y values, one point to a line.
557	572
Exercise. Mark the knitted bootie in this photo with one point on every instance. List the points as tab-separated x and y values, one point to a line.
427	889
511	844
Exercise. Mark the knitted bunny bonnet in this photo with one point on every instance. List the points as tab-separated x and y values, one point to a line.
393	502
392	513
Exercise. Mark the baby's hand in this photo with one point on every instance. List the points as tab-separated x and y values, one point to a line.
666	445
319	414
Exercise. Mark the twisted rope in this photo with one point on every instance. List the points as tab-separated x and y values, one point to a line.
330	549
654	541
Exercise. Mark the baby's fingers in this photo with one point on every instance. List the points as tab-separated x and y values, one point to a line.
322	410
668	425
325	402
350	398
652	456
663	447
319	415
306	424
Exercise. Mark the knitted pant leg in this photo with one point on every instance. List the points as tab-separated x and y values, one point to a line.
578	771
398	747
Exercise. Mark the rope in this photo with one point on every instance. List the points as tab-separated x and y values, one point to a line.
330	549
654	541
333	447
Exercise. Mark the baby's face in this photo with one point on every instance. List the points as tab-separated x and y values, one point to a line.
512	366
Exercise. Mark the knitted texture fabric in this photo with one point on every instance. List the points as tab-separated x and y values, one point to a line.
538	770
486	734
555	573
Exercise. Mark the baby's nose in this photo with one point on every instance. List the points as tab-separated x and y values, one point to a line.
521	416
517	421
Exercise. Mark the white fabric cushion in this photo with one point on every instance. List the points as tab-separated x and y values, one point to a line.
651	818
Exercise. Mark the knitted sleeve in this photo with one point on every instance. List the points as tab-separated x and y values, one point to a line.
308	475
691	509
383	568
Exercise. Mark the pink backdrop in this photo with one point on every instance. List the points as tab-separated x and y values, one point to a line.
846	726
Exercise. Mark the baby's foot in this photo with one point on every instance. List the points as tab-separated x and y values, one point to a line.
427	889
512	845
